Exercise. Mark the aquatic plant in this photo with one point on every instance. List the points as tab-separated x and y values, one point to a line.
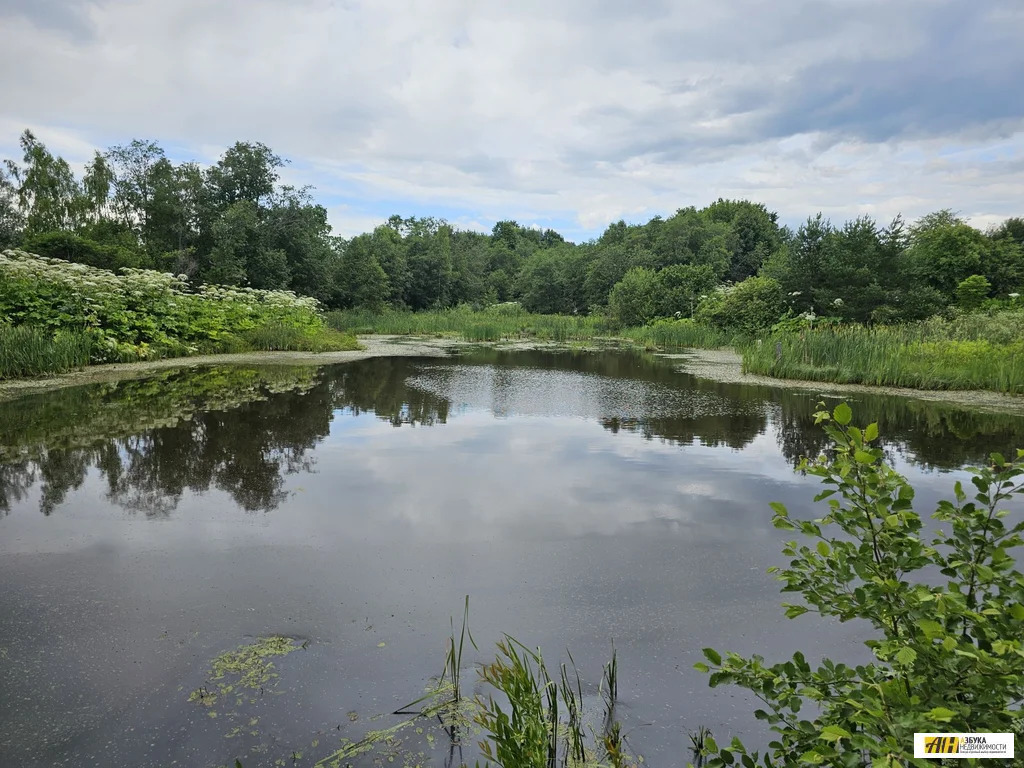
30	351
934	355
495	323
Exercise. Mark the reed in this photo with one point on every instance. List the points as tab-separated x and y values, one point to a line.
498	323
272	337
680	333
935	354
33	351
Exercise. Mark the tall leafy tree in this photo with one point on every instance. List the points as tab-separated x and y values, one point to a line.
755	234
946	250
247	171
390	252
11	220
360	281
131	171
96	187
297	227
48	194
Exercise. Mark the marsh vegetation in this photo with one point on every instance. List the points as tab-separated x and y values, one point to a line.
859	301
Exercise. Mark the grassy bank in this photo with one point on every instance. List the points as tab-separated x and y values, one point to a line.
56	316
967	353
496	323
974	351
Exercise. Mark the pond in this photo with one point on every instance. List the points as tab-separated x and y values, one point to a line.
578	498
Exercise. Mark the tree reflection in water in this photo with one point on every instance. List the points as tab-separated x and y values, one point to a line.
243	430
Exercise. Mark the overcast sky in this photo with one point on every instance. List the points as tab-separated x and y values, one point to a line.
562	113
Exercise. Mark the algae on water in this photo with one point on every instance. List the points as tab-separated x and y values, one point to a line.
247	668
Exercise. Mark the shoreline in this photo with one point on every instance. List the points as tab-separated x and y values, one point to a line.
726	366
721	365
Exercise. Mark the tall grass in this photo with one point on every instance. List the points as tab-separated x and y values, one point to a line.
273	337
32	351
681	333
937	354
497	323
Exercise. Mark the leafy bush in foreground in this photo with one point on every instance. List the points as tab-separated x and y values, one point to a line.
948	655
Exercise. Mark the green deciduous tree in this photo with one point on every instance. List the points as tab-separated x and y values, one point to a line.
945	250
247	171
360	281
11	220
48	194
129	169
755	234
551	281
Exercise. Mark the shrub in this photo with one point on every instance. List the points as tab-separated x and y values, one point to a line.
972	291
748	307
140	314
637	298
947	652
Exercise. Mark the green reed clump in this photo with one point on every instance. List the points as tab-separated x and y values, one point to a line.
680	333
499	322
32	351
936	354
543	725
279	337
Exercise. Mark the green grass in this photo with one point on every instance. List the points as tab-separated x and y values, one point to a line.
31	351
681	333
274	337
499	323
936	354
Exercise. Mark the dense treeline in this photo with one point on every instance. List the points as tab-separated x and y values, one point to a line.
729	265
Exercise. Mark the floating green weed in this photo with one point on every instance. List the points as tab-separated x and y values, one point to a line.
247	668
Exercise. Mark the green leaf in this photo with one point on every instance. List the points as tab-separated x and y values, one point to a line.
823	549
906	656
931	629
779	509
863	457
792	611
871	433
700	666
842	414
712	655
833	733
815	758
1017	611
941	714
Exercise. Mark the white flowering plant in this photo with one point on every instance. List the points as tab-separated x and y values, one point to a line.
141	313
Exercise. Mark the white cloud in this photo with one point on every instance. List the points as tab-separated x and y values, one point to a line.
578	112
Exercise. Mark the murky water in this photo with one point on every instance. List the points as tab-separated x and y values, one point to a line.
578	498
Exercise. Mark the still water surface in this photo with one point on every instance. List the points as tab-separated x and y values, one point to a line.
578	498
